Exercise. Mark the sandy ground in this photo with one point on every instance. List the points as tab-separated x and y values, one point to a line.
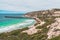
33	29
54	29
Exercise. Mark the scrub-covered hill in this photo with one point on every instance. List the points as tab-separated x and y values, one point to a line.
50	30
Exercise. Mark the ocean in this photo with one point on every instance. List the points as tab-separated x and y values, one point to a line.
10	24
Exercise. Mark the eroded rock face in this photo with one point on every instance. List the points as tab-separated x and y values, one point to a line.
32	29
53	12
54	29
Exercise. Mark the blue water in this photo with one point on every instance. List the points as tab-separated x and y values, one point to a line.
5	22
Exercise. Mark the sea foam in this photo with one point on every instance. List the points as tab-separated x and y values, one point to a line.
16	26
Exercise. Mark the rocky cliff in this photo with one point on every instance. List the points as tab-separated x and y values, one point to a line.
43	13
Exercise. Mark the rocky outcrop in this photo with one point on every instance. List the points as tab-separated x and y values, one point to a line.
43	13
54	29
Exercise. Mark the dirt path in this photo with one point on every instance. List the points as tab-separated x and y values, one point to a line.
33	29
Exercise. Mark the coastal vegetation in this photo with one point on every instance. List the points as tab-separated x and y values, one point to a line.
40	35
17	35
56	38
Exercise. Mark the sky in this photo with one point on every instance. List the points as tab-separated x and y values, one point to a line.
28	5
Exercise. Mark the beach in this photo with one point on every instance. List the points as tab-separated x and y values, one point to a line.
32	29
24	24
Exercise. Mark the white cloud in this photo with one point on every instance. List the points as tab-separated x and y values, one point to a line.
28	5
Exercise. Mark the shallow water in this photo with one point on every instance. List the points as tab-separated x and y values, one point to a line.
10	21
7	24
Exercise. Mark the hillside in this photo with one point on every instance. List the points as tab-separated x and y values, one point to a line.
43	13
53	14
50	30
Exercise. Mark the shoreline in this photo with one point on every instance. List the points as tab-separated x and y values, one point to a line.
16	26
32	29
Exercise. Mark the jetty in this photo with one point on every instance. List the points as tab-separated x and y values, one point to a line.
17	17
35	18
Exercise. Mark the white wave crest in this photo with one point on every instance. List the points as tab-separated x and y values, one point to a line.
16	26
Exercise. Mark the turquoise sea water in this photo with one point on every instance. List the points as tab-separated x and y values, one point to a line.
17	22
10	24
